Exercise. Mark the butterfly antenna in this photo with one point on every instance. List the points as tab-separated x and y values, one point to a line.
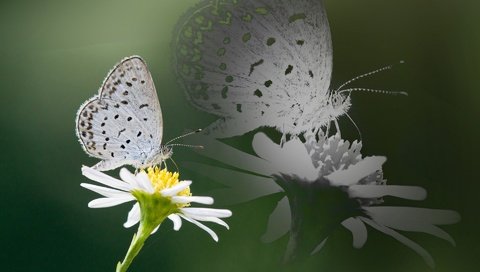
190	146
358	129
366	75
184	135
373	91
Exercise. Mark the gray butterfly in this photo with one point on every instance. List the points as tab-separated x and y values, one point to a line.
123	123
259	63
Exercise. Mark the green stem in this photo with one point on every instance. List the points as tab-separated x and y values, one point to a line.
135	246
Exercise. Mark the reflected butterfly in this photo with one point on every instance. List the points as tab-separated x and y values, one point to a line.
259	63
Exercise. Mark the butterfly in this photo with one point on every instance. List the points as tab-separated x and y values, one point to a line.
122	125
259	63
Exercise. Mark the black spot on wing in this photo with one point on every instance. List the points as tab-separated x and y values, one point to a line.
289	69
270	41
258	93
121	131
296	17
224	92
252	67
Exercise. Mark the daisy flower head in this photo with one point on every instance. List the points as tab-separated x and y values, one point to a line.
158	194
328	183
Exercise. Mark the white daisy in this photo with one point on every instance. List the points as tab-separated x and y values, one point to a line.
159	195
309	173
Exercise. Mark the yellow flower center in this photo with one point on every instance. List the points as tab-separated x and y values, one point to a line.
162	179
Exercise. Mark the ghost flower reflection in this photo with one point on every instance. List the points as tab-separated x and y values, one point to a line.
327	184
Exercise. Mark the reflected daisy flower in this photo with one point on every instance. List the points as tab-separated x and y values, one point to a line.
327	184
158	194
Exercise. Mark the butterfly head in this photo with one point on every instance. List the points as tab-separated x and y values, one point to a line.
159	156
166	152
339	103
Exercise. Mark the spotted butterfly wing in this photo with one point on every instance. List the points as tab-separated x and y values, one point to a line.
123	123
257	63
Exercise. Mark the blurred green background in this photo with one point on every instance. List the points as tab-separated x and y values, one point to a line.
55	54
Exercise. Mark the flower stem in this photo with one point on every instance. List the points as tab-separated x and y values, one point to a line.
135	246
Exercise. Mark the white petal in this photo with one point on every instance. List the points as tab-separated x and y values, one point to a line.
109	201
291	159
187	199
278	222
108	192
144	182
240	187
182	185
231	156
177	221
220	213
128	177
202	226
319	246
418	215
133	216
374	191
210	219
356	172
409	219
358	230
104	179
402	239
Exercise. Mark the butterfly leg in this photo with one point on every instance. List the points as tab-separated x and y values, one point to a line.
283	139
327	131
174	163
337	128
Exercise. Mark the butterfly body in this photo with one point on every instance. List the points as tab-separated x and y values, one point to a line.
122	125
259	63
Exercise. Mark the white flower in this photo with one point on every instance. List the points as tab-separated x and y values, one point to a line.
158	195
315	166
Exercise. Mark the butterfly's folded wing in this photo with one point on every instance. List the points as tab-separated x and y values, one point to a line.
124	122
261	61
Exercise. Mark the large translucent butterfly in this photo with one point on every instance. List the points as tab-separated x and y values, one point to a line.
259	63
122	125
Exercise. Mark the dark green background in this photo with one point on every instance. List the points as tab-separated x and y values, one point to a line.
55	54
